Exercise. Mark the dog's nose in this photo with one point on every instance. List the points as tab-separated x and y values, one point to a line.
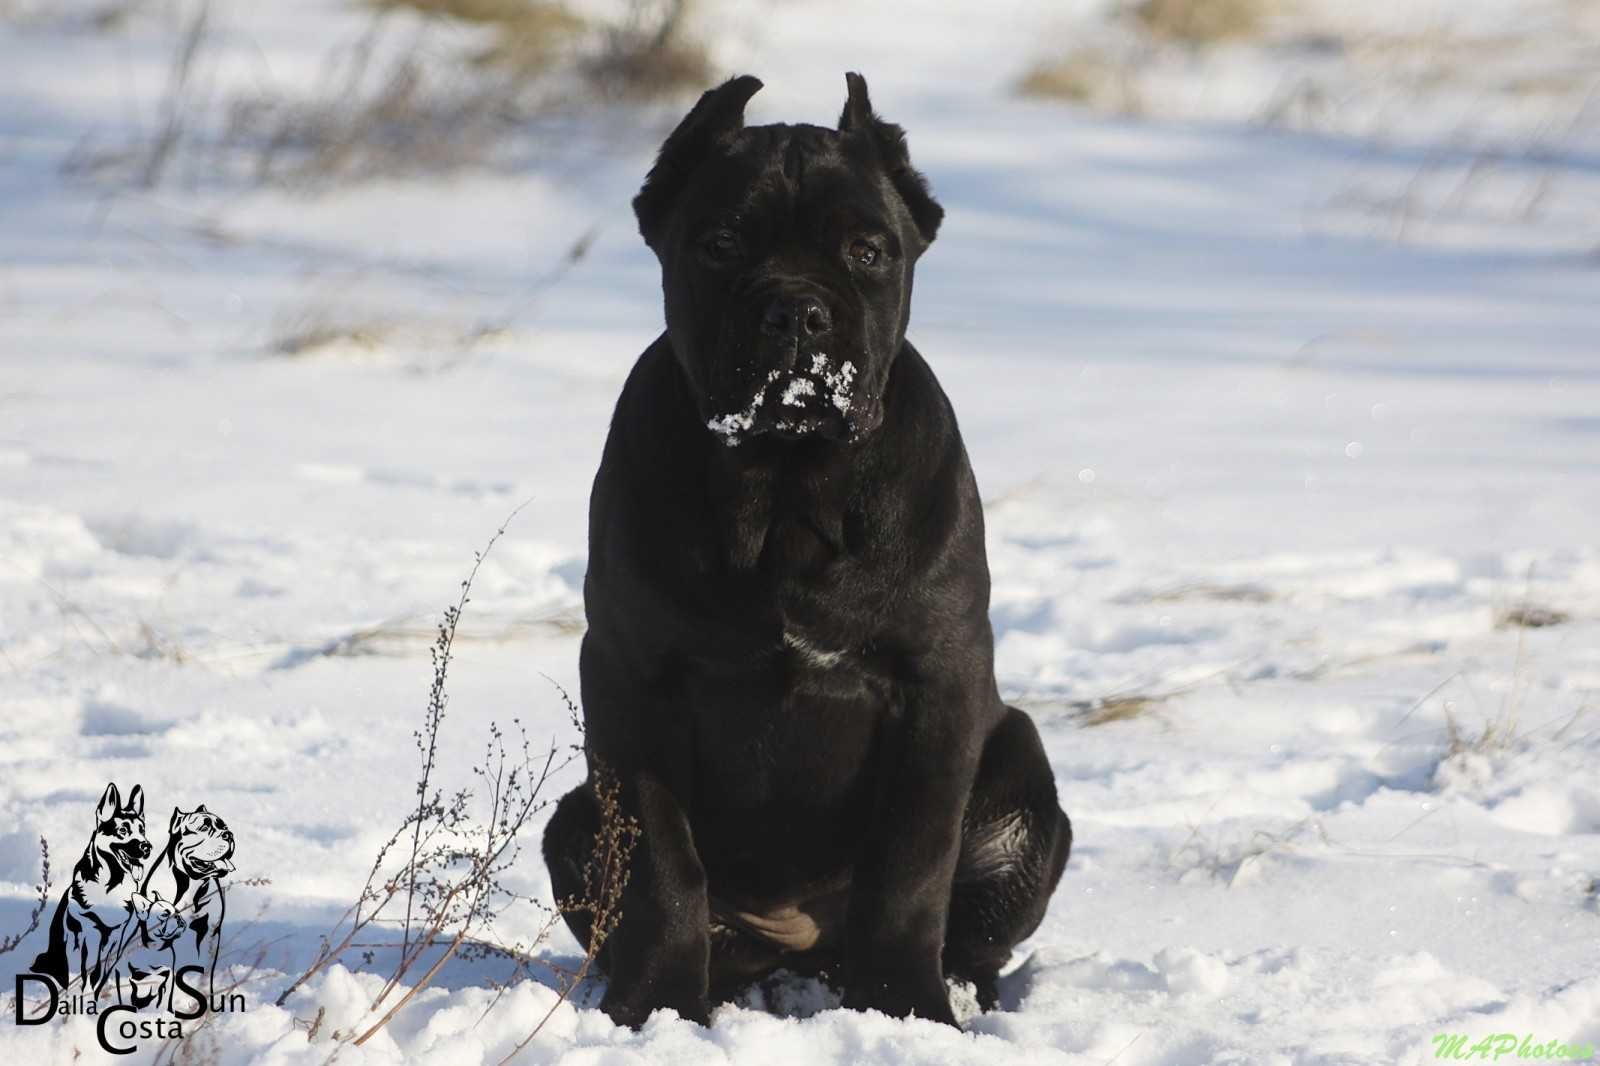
804	316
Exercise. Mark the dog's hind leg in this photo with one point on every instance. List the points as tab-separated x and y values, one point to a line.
568	844
52	961
1014	844
737	957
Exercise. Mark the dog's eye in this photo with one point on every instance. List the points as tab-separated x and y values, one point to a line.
722	244
864	252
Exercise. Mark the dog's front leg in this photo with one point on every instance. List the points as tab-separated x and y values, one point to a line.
107	953
900	897
659	953
638	735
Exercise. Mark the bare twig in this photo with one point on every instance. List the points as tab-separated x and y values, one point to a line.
9	943
605	875
428	738
446	864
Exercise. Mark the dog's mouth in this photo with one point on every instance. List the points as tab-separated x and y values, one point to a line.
134	852
198	867
816	398
206	856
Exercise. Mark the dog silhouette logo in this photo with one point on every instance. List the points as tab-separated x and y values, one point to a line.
136	929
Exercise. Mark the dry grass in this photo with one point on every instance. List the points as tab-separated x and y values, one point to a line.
1090	76
1530	616
391	104
649	54
374	118
324	338
1203	22
404	637
1232	860
1106	79
528	35
644	54
1212	592
104	16
1101	710
1498	734
533	13
1119	709
1501	730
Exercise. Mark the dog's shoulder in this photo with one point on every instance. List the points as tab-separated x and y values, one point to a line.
652	450
920	438
919	398
654	401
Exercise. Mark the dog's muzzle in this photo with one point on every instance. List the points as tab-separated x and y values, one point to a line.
813	396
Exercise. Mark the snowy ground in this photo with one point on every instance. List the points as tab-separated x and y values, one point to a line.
1263	485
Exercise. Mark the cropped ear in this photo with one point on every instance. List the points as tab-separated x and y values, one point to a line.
201	809
719	113
858	117
139	905
177	817
857	113
136	800
110	804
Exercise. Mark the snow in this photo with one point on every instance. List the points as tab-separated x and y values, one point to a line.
838	383
1268	457
795	392
732	427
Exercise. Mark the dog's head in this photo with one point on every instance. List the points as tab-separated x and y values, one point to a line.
786	255
202	843
159	918
119	828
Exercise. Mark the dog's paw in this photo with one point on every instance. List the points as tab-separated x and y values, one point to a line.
901	996
633	1011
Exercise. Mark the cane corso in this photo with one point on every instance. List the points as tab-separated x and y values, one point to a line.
189	872
788	669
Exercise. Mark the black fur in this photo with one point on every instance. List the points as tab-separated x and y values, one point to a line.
789	664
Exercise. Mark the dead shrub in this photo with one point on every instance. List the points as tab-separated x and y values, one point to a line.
649	54
388	105
528	35
437	880
1119	709
10	941
1203	22
1090	76
1531	616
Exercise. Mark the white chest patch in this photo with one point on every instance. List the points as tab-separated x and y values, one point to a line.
820	657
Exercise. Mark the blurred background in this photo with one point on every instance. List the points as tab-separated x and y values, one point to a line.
1273	327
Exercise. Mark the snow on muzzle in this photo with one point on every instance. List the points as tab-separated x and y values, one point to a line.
817	397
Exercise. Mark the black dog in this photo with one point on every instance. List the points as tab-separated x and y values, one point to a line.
789	666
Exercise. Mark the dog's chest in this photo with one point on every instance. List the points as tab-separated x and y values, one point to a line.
792	730
787	518
793	726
